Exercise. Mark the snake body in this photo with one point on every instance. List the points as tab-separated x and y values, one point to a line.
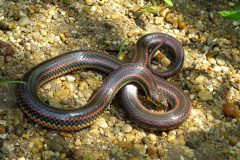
126	77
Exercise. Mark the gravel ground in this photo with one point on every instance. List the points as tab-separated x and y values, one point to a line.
38	30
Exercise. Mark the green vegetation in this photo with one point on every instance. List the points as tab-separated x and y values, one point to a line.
152	9
11	82
232	14
121	53
168	2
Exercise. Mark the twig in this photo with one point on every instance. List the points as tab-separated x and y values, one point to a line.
201	58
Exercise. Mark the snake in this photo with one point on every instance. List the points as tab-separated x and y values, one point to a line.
128	78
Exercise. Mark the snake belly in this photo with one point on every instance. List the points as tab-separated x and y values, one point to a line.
122	76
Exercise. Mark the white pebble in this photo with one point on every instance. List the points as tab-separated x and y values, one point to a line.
70	78
192	96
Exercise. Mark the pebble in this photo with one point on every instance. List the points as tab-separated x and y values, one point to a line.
171	138
127	128
152	137
101	122
6	148
70	86
164	12
210	117
38	142
62	94
201	79
89	2
93	84
217	68
2	129
130	137
70	78
24	21
3	136
46	155
77	142
221	60
229	110
212	61
83	85
205	95
87	93
182	25
139	149
233	140
159	20
238	144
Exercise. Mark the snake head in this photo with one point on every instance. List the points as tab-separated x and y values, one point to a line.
159	100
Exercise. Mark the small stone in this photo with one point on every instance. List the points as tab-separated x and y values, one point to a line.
41	25
164	12
126	145
127	128
26	136
221	60
192	96
101	122
70	86
159	20
130	137
171	136
62	36
89	2
229	110
172	18
47	86
200	79
6	148
93	84
21	158
115	16
62	94
139	149
93	9
3	136
54	103
181	25
233	140
46	155
55	143
94	131
152	137
38	142
70	78
210	117
238	144
2	129
205	95
3	25
66	134
217	68
212	61
83	85
87	93
165	62
235	51
236	23
77	142
24	21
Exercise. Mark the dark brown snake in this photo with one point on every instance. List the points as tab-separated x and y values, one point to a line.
126	77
